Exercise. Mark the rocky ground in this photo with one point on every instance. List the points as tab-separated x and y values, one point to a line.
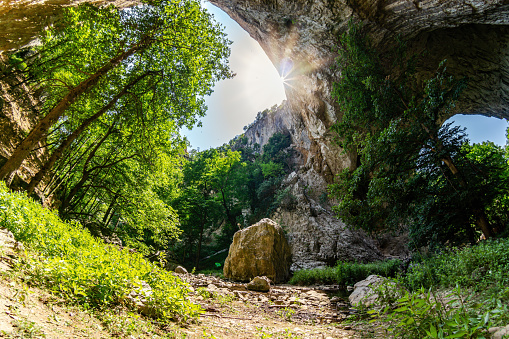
231	311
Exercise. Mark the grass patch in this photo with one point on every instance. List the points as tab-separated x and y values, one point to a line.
345	273
73	264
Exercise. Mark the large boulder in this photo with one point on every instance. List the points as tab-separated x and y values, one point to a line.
259	250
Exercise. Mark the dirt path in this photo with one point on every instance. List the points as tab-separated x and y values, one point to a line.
231	311
284	312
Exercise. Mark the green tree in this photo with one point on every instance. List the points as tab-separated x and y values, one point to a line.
112	185
406	162
207	201
163	56
264	174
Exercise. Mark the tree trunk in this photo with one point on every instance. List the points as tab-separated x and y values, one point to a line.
67	142
109	210
41	128
480	216
482	222
232	220
86	173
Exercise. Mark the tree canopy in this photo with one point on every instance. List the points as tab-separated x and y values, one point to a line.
153	62
115	88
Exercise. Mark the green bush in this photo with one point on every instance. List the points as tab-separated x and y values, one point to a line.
345	273
77	266
483	266
425	314
478	277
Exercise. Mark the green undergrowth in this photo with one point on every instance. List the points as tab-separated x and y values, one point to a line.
459	293
65	258
432	313
345	273
483	268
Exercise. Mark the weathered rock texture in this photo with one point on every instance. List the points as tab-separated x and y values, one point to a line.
18	107
260	284
259	250
317	238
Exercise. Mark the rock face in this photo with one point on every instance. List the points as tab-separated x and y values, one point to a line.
259	250
16	120
21	21
317	238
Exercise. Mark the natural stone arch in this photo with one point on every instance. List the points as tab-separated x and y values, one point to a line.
472	35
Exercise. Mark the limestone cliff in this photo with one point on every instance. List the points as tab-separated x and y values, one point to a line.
22	20
299	37
18	107
316	237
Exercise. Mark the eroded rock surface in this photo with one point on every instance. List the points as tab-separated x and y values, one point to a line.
21	21
317	238
9	249
259	250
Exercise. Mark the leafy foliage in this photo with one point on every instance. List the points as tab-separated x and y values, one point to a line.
153	62
81	268
207	200
460	293
116	86
345	273
409	169
482	267
424	314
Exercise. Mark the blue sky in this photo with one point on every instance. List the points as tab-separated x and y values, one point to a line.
235	102
481	128
257	86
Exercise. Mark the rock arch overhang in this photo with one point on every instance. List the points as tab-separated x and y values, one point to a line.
472	35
